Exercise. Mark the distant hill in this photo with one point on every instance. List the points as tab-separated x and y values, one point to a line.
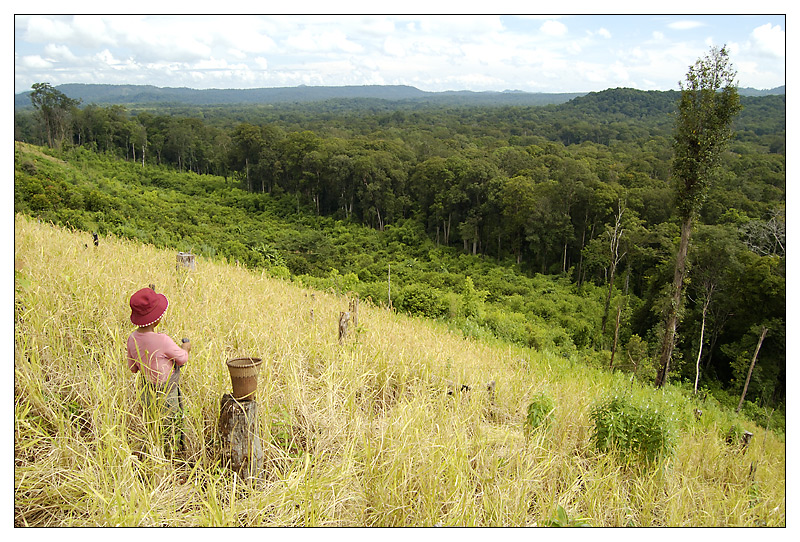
626	102
148	94
656	105
747	91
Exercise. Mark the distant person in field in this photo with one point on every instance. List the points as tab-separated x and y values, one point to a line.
158	358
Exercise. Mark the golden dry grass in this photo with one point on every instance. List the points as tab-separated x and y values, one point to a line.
360	434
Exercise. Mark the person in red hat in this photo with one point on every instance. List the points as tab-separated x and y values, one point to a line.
156	355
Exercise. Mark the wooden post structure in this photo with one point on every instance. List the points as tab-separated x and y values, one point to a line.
184	259
354	310
238	429
344	319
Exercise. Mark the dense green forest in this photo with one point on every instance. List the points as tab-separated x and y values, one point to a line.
549	226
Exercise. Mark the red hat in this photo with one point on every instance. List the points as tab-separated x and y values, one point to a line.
147	307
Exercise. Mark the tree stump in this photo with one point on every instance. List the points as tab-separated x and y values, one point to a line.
746	439
238	430
344	319
185	260
743	441
354	310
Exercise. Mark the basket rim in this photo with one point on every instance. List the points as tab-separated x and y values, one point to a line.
244	363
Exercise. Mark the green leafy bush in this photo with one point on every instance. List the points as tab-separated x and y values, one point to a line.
509	326
421	300
637	432
539	410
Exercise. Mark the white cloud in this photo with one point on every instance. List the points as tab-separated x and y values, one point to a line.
44	29
182	39
394	47
246	34
59	53
770	40
105	57
620	71
216	64
553	28
463	26
376	27
685	25
35	62
431	52
91	31
328	41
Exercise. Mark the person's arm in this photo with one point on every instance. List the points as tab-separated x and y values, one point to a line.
177	354
133	358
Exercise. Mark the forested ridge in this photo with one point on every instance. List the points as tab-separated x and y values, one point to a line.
391	95
550	226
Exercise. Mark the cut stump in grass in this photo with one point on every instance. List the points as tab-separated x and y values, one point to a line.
184	260
354	310
344	321
241	443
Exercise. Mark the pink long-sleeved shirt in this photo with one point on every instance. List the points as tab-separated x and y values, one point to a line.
154	353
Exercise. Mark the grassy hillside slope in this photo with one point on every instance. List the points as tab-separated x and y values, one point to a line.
357	434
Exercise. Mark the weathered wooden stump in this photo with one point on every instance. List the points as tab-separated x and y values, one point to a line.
239	434
344	320
354	310
185	260
746	439
743	441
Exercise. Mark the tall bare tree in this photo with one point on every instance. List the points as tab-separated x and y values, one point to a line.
615	237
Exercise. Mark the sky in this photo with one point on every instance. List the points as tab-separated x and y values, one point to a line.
533	53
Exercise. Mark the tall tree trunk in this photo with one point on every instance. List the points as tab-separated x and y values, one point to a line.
668	343
615	238
752	364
